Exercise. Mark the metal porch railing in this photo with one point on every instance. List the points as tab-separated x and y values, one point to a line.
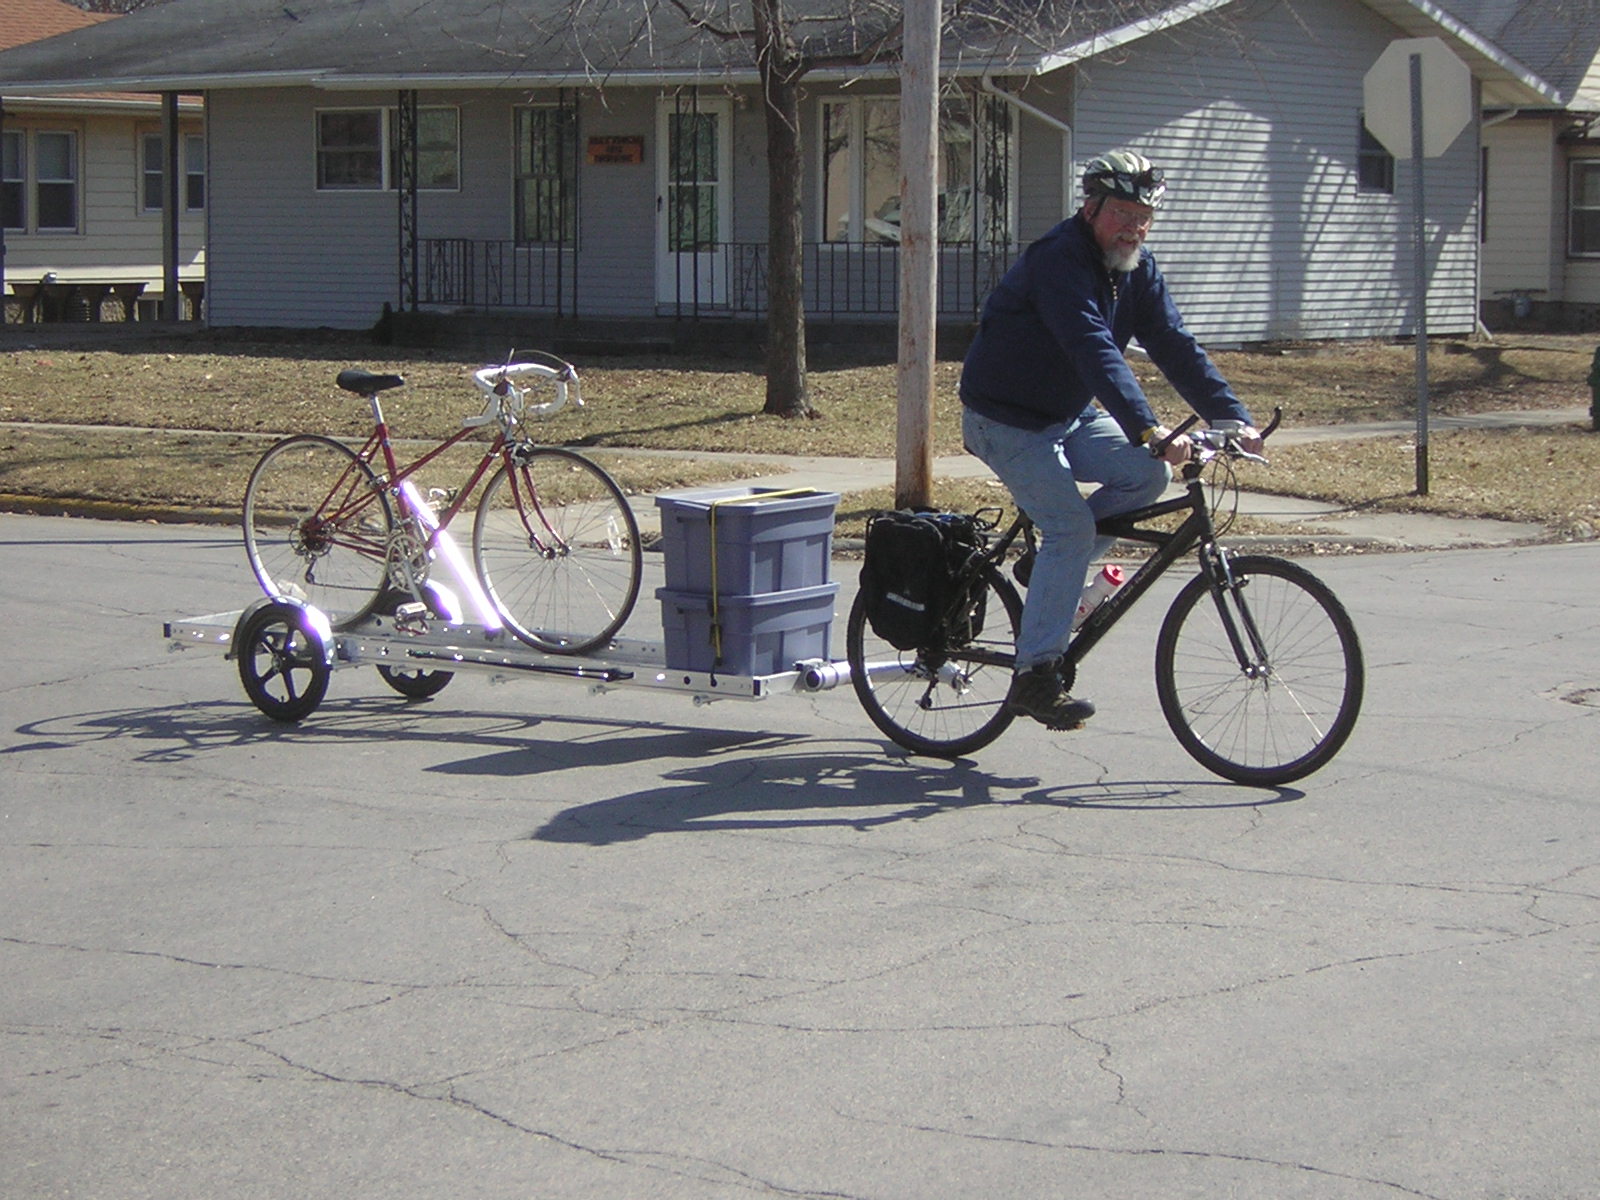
842	280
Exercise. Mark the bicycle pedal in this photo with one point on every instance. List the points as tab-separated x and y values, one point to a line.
411	617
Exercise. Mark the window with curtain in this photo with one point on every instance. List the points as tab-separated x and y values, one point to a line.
358	149
860	172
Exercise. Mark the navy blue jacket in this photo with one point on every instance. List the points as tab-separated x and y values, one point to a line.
1052	333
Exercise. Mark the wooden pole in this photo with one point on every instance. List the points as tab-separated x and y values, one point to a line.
919	251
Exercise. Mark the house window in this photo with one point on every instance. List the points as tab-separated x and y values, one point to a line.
192	162
1374	164
14	180
1583	238
358	149
55	189
350	149
693	181
438	149
546	174
40	180
861	170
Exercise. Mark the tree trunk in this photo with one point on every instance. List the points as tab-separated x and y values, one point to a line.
780	69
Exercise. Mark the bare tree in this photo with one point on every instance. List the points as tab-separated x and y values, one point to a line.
786	40
785	48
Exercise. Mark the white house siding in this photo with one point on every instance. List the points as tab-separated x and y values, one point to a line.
1046	190
282	252
1526	240
1265	235
116	241
617	208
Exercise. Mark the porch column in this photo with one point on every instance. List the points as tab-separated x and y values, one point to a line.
171	296
407	239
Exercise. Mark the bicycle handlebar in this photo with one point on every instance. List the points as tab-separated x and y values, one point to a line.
1221	438
507	403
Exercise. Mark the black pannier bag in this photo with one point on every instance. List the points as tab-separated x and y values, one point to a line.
910	578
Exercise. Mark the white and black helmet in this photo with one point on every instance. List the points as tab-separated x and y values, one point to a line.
1124	175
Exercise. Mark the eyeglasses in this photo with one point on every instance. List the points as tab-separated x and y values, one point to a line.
1123	215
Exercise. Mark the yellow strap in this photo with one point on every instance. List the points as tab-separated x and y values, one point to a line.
716	621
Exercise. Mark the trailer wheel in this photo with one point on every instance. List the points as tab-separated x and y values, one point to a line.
283	661
414	684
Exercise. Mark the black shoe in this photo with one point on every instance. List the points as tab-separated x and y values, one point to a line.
1022	569
1038	693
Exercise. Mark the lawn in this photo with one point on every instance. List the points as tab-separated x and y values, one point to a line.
211	397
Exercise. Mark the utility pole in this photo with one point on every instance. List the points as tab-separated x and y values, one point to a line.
919	253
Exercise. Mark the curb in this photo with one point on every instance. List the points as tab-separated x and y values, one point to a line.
116	510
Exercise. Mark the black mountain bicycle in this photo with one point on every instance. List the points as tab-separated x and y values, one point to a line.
1258	666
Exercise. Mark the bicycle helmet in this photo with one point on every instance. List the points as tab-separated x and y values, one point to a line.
1124	175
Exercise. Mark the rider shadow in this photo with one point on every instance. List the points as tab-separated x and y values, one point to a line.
858	789
861	790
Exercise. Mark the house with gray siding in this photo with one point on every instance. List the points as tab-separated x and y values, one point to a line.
417	156
81	181
1541	166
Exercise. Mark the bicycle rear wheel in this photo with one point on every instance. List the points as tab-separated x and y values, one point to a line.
1288	706
316	527
944	702
557	549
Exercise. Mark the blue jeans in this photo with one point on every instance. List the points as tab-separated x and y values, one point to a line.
1042	469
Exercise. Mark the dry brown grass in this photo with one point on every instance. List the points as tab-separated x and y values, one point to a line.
236	383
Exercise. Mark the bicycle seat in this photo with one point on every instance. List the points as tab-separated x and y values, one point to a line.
365	383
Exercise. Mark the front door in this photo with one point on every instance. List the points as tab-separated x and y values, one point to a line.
693	201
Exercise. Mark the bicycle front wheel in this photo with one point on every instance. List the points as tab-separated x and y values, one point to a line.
1261	680
942	701
316	527
557	549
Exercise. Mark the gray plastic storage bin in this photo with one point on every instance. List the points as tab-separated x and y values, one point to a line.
761	635
767	539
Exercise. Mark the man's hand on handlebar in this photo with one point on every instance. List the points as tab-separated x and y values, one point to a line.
1173	448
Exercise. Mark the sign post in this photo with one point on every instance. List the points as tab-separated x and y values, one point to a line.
1418	98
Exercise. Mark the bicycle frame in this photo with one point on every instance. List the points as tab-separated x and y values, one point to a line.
350	495
1170	546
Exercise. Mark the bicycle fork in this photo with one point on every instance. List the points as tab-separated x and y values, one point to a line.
1249	649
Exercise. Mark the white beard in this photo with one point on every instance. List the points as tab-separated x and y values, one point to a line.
1123	260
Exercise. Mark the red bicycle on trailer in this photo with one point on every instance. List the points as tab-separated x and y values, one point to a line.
555	552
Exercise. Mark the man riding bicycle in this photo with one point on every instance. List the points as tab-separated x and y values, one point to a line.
1050	344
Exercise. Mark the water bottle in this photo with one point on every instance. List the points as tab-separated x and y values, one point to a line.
1106	580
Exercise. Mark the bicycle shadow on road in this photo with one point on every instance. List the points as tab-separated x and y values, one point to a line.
730	779
853	788
506	744
858	788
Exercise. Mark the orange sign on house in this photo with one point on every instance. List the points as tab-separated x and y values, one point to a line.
629	149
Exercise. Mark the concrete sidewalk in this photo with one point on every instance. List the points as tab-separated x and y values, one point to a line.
1311	521
1308	522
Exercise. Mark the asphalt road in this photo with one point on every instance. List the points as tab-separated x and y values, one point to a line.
525	941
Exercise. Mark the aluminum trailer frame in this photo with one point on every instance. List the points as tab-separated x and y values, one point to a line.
419	641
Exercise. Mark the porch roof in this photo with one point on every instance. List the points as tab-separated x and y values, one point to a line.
195	45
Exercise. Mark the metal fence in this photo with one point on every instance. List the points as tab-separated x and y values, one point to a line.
842	280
